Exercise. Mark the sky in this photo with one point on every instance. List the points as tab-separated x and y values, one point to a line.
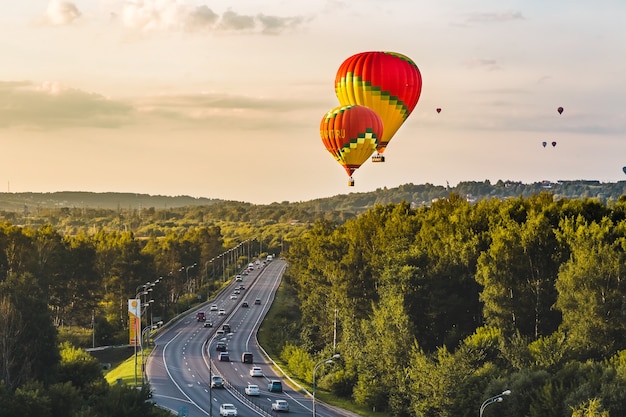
223	99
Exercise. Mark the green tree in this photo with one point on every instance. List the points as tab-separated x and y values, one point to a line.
591	293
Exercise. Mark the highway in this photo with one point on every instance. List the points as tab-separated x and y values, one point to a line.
180	367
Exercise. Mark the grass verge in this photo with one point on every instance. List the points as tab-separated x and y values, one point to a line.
129	371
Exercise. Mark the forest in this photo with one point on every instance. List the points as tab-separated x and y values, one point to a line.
433	308
436	308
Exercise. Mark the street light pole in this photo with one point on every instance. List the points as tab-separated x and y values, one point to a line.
495	399
187	275
320	363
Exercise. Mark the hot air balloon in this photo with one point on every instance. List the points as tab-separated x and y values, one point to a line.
387	82
350	134
560	110
438	109
624	169
553	144
544	144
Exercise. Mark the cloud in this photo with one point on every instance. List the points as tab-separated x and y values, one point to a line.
233	21
275	25
200	18
493	17
177	15
52	105
482	63
60	13
216	109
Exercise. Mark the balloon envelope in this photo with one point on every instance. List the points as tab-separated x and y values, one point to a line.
560	110
544	144
624	169
387	82
553	143
350	134
438	109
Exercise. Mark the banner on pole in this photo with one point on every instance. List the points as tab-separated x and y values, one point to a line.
134	320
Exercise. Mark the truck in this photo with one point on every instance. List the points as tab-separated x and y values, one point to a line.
200	316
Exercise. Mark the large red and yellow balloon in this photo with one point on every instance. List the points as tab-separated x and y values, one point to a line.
387	82
350	134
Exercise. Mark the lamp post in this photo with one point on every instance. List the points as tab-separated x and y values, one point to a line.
495	399
139	330
317	365
210	377
187	268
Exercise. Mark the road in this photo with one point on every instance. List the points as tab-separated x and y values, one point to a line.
180	368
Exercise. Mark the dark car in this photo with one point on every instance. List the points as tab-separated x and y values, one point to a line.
244	304
226	327
220	346
217	382
257	301
275	386
224	356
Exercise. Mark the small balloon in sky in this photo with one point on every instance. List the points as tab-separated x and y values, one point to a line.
560	110
438	109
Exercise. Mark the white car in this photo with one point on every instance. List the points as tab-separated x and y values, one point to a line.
252	389
214	307
222	312
228	410
256	371
280	405
233	297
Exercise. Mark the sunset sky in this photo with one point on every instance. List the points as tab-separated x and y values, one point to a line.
223	99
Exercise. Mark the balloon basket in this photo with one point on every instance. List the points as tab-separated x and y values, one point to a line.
350	182
378	158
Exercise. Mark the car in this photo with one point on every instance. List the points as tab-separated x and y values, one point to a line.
237	292
200	316
228	410
222	312
217	381
224	357
257	301
214	307
220	346
233	297
220	333
207	324
280	405
275	386
256	371
247	357
226	327
244	304
252	389
241	287
238	278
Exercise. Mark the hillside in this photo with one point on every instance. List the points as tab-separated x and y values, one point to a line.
418	195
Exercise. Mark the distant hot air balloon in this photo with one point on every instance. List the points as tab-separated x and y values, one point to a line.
438	109
553	144
544	144
624	169
560	110
387	82
350	134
